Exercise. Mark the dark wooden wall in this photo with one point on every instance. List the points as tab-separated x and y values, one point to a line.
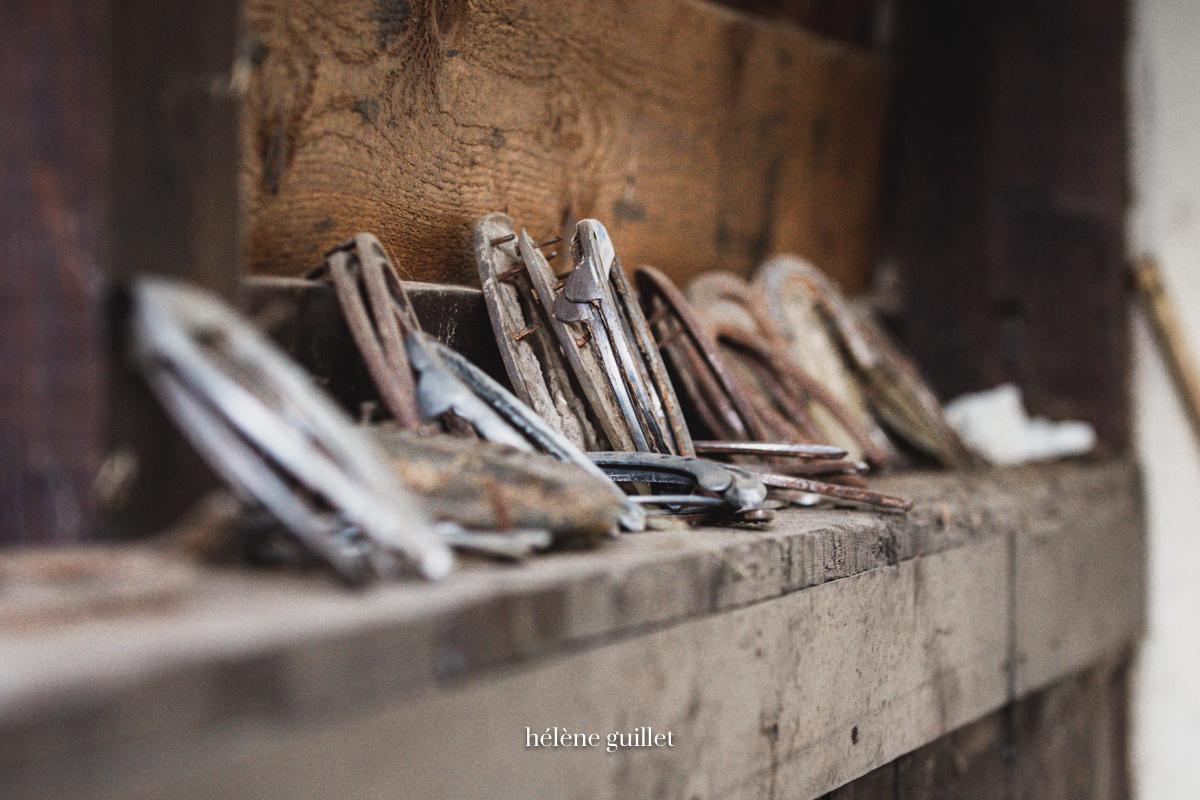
53	116
1067	742
118	121
174	211
1006	220
1009	200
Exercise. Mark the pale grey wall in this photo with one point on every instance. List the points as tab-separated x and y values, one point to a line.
1165	221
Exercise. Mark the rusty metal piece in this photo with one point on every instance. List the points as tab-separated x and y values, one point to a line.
484	486
738	487
666	408
809	451
360	268
588	296
692	500
601	333
728	404
575	304
755	515
527	423
266	429
440	392
829	489
539	375
892	382
813	468
793	411
875	444
725	298
729	302
585	402
508	273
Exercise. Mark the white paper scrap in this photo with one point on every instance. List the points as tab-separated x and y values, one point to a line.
994	424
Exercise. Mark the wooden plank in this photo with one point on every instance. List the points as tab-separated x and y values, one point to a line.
1066	741
1066	566
797	657
53	118
1008	229
702	137
1072	740
173	211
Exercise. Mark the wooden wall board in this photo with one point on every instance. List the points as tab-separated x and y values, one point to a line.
1008	216
703	138
118	122
173	211
53	122
796	657
803	692
1068	740
304	318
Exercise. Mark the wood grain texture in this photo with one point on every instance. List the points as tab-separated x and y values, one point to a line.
787	698
701	137
1067	741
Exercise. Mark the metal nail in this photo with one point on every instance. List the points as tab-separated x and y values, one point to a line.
770	449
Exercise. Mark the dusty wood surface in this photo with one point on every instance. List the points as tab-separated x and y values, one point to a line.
700	136
798	657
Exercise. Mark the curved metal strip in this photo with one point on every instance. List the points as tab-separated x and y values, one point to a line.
266	427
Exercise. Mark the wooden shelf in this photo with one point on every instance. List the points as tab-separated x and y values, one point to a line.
797	656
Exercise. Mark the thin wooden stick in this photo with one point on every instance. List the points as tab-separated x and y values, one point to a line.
1169	333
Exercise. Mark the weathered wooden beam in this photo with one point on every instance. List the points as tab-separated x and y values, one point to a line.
787	660
702	137
1068	740
174	211
53	123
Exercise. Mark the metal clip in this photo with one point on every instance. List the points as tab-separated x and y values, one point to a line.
735	486
587	298
521	419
